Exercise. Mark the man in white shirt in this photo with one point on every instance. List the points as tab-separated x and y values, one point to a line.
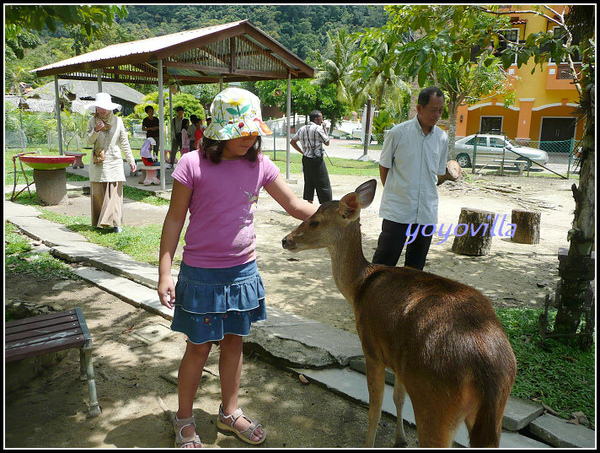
414	155
316	177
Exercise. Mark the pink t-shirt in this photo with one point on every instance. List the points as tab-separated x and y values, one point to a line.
221	233
185	142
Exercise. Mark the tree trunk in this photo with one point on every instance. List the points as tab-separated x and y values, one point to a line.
527	226
473	234
575	280
414	97
451	131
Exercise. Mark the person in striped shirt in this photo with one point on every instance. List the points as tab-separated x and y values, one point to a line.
312	137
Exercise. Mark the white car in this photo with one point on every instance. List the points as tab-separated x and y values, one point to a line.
490	148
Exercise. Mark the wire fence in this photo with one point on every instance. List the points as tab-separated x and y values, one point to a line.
560	146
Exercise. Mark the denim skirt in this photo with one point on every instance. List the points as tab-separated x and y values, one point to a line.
210	303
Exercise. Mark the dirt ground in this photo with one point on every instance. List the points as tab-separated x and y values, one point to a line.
137	391
135	380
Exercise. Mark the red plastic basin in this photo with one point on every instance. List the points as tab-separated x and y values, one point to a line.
38	162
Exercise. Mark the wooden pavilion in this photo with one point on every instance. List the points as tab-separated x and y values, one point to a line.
233	52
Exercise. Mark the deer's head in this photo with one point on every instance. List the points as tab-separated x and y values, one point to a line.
326	225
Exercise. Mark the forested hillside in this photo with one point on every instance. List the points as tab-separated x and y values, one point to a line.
300	28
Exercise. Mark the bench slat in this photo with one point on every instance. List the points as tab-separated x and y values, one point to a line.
58	344
55	315
35	325
39	334
30	342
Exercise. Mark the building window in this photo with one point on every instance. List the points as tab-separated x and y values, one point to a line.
508	36
491	124
560	34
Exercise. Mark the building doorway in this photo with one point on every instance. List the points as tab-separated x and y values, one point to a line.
557	134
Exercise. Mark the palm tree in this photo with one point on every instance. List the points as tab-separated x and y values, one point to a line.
337	65
376	72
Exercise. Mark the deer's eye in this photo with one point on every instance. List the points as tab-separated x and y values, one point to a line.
313	224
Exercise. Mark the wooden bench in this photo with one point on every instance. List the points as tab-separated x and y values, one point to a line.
520	164
78	162
53	332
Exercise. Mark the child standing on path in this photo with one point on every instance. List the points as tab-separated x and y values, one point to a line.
185	138
219	291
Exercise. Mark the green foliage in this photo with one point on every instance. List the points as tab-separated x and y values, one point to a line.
553	372
381	122
306	96
20	259
443	37
191	105
204	93
13	242
35	126
87	20
141	243
336	64
376	72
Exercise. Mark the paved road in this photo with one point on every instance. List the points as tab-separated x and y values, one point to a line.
353	149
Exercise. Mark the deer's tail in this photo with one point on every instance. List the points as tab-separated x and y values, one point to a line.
486	430
495	383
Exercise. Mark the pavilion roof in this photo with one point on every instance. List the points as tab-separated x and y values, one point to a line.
233	52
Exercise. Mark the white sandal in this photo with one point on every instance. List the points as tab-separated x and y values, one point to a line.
184	442
245	435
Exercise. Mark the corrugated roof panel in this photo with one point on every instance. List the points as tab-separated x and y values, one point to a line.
141	47
228	52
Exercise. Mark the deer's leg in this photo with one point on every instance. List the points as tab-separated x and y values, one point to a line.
437	420
399	397
376	385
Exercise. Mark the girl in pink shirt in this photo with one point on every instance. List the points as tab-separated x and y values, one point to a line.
219	291
185	138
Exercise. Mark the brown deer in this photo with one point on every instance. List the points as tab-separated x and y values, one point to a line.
441	338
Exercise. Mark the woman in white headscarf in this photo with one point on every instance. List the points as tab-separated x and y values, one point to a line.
107	133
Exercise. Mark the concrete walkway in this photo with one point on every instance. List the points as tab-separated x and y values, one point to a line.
323	354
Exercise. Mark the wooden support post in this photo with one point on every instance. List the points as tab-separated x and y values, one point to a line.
51	186
473	234
527	226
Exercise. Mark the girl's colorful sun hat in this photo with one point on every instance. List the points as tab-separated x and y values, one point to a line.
235	113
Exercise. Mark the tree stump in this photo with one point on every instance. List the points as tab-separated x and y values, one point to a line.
473	234
51	186
527	226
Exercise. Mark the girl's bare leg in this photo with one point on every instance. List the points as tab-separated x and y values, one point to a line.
230	371
188	380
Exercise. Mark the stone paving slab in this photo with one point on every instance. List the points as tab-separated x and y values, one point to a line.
519	413
133	293
561	434
353	385
341	345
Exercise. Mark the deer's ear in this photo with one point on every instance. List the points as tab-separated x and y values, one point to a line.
366	192
349	207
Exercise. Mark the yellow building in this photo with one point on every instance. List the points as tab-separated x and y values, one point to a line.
542	114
